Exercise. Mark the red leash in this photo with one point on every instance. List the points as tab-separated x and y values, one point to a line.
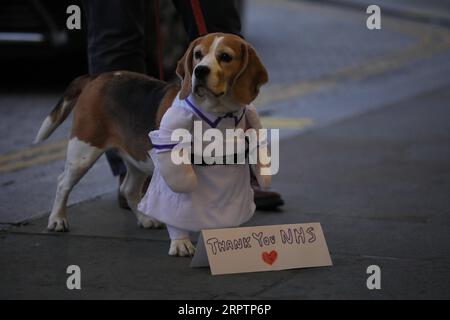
199	21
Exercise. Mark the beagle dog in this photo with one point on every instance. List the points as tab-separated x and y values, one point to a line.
117	110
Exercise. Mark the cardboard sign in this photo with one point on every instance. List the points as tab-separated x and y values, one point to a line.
262	248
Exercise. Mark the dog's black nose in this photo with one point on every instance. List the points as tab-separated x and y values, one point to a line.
201	71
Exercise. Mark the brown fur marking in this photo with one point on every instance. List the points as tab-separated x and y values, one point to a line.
118	112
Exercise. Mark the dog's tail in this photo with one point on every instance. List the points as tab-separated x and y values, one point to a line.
63	107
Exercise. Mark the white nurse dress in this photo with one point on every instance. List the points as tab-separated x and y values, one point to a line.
223	197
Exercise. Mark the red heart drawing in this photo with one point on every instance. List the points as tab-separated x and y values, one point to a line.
270	257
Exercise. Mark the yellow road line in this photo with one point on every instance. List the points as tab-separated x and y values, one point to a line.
30	152
286	123
59	154
285	92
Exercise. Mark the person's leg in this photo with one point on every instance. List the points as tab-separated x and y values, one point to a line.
116	35
219	16
116	32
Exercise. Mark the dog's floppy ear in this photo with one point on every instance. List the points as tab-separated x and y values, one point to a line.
184	70
251	76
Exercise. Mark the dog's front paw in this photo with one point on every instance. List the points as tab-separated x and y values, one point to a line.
147	222
57	224
181	248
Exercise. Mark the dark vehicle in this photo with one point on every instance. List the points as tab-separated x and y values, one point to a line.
34	39
37	28
36	48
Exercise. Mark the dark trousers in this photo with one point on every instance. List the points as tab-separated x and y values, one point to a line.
119	36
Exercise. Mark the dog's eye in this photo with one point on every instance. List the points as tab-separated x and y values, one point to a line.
225	57
198	55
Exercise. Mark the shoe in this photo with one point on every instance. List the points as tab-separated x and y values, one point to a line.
266	200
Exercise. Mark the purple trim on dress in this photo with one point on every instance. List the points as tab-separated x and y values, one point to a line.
214	124
202	116
164	146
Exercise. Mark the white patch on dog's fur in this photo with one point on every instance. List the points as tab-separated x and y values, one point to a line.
48	126
210	61
43	130
80	157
